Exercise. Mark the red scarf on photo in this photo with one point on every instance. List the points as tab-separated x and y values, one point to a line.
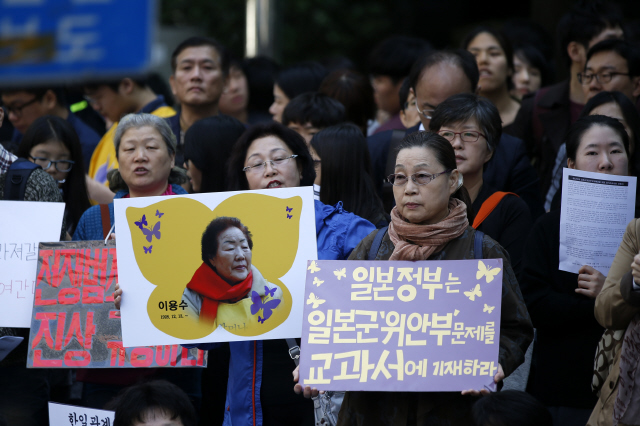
214	290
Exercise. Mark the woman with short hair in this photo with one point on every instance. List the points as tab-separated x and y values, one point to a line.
472	125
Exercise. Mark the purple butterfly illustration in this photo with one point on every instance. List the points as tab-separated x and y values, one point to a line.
289	216
267	307
147	249
269	291
289	209
159	214
143	222
152	233
261	320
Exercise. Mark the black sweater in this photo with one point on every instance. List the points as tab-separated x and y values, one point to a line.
567	331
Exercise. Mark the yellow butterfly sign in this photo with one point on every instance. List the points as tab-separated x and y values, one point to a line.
487	272
166	239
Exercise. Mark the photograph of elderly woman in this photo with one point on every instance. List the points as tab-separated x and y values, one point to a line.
227	289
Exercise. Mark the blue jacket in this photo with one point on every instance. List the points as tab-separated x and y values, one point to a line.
90	225
508	170
338	232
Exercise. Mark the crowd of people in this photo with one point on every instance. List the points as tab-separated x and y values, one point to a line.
431	153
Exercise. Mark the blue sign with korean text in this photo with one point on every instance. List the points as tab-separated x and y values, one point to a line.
56	41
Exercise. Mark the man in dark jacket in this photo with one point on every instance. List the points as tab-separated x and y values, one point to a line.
435	77
545	117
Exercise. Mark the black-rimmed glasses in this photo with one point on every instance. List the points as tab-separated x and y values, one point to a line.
17	110
60	165
603	77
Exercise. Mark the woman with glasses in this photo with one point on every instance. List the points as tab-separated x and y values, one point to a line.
495	62
340	178
274	156
562	303
51	143
431	221
472	125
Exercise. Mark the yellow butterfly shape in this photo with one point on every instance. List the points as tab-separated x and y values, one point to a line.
313	268
315	300
488	308
340	273
487	272
473	293
317	281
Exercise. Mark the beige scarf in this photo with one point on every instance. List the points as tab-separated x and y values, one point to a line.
418	242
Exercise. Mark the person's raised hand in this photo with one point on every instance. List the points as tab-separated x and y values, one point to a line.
306	391
635	268
590	281
117	296
496	379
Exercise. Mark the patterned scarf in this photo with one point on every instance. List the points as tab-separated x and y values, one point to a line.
418	242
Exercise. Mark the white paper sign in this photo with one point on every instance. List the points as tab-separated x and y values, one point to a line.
65	415
596	209
23	225
172	295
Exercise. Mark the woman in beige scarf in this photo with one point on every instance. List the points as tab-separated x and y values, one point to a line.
431	222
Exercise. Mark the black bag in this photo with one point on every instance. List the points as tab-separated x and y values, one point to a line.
15	183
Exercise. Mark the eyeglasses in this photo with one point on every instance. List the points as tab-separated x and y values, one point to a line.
425	113
420	178
257	168
468	136
601	77
60	165
17	110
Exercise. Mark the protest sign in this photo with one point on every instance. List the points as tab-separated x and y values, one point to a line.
401	326
172	293
71	415
75	323
596	209
23	225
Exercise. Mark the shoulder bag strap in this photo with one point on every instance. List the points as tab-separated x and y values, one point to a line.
377	242
477	244
488	206
106	220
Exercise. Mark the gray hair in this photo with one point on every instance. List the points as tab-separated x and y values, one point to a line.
135	121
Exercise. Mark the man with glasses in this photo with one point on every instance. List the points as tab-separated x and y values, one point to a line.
435	77
23	106
612	65
545	117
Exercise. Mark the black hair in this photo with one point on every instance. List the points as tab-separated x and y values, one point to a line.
39	92
214	229
198	41
525	32
585	21
458	57
135	404
464	107
504	43
301	78
394	56
444	154
237	179
403	94
115	84
315	108
533	57
261	72
354	91
207	144
74	189
510	407
578	129
344	179
630	53
631	117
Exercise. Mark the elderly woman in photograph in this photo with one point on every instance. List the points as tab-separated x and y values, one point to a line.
221	287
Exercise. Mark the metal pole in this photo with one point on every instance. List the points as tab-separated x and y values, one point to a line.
260	28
